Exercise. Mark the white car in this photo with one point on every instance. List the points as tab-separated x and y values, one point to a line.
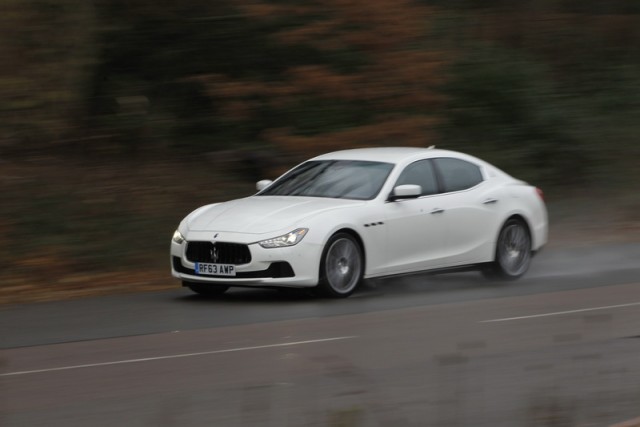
350	215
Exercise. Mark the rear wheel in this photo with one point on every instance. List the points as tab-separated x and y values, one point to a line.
206	289
341	266
513	252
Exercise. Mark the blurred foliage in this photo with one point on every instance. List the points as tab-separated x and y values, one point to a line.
207	76
548	92
131	76
540	86
204	96
43	68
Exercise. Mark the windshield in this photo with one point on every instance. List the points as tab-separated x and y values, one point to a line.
338	179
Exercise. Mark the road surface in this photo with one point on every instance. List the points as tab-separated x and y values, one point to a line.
561	347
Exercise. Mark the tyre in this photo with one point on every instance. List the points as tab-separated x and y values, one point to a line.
341	266
513	252
206	289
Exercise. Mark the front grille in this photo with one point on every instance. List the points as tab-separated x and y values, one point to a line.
218	252
276	270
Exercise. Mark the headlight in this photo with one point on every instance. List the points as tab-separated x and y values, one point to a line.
288	239
178	237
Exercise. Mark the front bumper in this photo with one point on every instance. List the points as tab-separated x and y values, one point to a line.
295	266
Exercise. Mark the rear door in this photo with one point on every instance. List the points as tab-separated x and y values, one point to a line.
470	203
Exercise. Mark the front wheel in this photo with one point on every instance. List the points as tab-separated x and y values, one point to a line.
205	289
341	266
513	252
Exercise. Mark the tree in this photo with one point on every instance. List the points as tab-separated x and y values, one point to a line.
364	74
46	51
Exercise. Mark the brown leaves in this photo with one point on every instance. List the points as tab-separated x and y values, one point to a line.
408	130
396	81
370	25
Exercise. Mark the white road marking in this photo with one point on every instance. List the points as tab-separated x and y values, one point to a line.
176	356
558	313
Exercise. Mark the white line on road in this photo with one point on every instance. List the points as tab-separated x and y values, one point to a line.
558	313
176	356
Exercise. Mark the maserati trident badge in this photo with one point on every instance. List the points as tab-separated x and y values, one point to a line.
214	254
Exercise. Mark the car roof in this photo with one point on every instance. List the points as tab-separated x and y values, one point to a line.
387	154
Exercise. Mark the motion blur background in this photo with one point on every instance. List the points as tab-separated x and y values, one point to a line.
119	117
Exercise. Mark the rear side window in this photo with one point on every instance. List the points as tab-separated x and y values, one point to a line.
457	175
420	173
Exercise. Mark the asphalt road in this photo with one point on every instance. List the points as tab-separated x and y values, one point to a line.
561	347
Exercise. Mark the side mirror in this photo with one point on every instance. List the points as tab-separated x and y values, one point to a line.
261	185
407	191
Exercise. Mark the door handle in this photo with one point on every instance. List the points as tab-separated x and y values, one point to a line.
437	211
490	201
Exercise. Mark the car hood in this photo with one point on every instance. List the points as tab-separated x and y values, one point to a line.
262	214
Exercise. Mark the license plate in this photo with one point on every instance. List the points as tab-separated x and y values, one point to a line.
215	269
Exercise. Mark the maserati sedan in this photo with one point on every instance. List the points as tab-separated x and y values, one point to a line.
343	217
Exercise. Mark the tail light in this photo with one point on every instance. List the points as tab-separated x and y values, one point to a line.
540	193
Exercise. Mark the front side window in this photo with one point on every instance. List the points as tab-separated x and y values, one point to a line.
457	175
420	173
340	179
